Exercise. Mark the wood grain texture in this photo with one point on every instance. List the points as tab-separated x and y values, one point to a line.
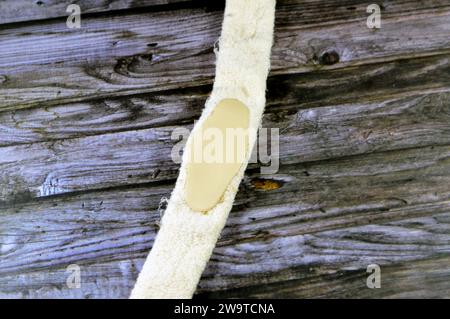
86	118
130	53
317	225
287	94
312	12
50	168
30	10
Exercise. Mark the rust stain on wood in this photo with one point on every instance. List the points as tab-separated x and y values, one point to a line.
86	118
266	184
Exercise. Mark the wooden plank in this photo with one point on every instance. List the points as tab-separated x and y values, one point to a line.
51	168
317	227
422	279
26	10
286	94
132	53
71	195
427	278
312	12
133	157
68	121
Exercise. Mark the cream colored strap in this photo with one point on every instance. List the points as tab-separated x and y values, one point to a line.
204	192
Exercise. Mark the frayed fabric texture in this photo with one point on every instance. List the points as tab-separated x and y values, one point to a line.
187	238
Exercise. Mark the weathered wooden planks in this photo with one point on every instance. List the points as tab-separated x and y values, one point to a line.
130	157
318	218
286	94
418	279
325	223
85	142
341	128
28	10
312	12
427	278
139	53
102	116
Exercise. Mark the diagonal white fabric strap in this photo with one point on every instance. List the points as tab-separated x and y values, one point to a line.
187	238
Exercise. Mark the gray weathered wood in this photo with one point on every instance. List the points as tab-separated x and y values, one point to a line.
142	156
311	12
85	123
286	94
30	10
140	53
418	279
317	226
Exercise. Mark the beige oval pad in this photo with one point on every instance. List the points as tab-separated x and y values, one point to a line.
217	151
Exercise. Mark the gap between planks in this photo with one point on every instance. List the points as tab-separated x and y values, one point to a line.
123	69
286	94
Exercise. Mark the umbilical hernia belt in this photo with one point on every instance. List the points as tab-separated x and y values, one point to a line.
216	155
